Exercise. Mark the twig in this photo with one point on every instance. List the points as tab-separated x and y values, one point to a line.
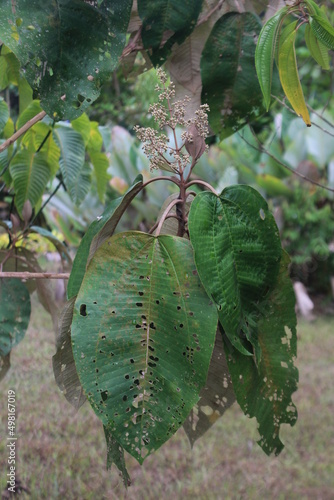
22	130
31	276
314	124
262	149
166	212
202	183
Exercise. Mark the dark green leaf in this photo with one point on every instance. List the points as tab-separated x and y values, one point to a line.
323	30
98	232
264	390
14	313
63	362
67	49
265	53
4	114
237	254
143	333
115	455
230	84
215	398
160	16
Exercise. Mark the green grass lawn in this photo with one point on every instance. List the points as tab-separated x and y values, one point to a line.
62	454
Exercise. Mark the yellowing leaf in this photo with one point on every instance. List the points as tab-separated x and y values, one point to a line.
288	72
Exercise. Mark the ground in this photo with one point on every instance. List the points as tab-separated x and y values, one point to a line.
62	454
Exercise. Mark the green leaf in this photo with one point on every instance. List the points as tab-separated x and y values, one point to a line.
39	137
143	333
160	16
264	390
66	49
100	163
14	313
115	455
230	84
30	172
215	398
317	49
25	94
32	110
4	114
265	52
63	362
288	73
98	232
323	30
237	254
72	162
82	125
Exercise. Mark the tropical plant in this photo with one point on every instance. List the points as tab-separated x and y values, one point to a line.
159	325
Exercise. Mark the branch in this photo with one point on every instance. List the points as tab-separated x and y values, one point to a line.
32	276
202	183
262	149
22	130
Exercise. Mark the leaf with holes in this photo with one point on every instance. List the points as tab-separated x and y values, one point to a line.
176	18
143	332
66	49
264	390
14	313
115	455
215	398
237	254
30	172
63	362
98	232
230	84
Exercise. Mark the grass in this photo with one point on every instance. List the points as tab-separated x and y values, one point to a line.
62	454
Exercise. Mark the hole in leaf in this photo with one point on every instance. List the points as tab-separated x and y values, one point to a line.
132	360
125	398
262	214
83	311
104	395
139	304
127	377
141	294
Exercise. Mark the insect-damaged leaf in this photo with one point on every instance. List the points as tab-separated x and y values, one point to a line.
115	455
67	49
237	254
230	84
143	333
264	390
177	19
215	398
98	232
14	313
63	362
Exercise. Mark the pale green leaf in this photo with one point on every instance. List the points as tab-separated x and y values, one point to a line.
100	163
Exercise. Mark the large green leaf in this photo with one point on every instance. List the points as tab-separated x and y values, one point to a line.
63	362
237	254
72	162
265	53
30	172
318	50
323	30
67	49
177	18
230	84
14	313
215	398
264	390
143	332
98	232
